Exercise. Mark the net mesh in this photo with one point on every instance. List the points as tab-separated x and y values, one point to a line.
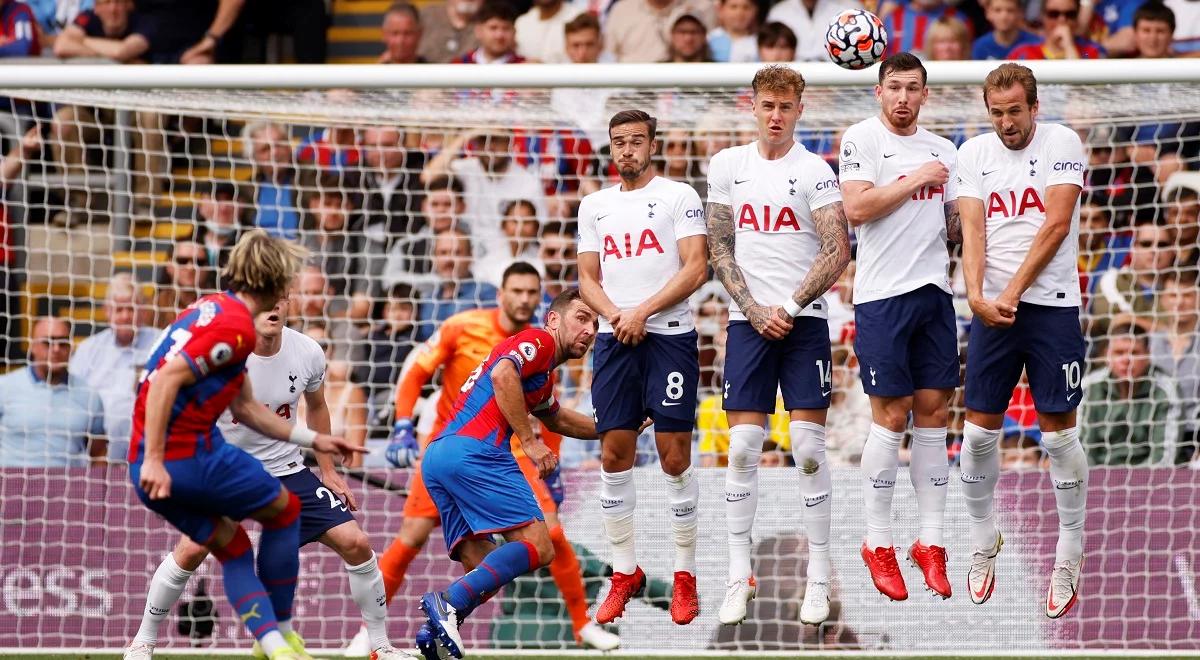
410	202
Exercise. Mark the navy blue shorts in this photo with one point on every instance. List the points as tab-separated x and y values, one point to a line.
478	488
226	482
657	378
798	365
907	342
320	509
1045	341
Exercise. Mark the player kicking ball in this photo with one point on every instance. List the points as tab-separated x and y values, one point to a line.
284	366
1019	198
642	252
778	241
473	477
899	186
182	468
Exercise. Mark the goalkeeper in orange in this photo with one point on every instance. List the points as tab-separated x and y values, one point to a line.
461	343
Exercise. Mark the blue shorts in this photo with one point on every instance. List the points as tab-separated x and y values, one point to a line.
907	342
320	509
657	378
1045	341
798	365
478	488
226	482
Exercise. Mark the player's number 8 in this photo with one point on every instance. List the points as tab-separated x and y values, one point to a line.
674	385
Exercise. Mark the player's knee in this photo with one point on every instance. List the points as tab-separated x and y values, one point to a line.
188	554
288	515
745	446
237	546
544	547
354	547
808	451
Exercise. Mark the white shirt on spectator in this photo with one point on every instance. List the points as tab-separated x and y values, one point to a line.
110	371
485	195
544	40
490	267
810	28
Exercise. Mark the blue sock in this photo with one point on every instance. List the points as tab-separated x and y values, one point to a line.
243	588
501	566
279	563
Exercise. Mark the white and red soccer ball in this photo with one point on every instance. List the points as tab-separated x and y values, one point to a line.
856	39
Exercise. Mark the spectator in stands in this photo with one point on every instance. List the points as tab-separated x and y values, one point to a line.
189	276
1100	248
268	149
680	162
495	30
313	304
53	16
448	30
776	43
735	38
908	24
1153	30
409	260
948	39
1133	288
521	229
582	43
191	32
112	29
1175	349
337	251
808	20
1005	18
556	251
331	149
47	417
483	161
453	290
347	402
540	35
391	340
401	35
638	30
220	222
1130	410
18	30
1060	21
1110	24
1181	194
687	38
109	361
1187	32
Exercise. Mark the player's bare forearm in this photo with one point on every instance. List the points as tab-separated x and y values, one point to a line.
693	252
954	232
832	256
721	244
865	202
159	399
590	287
974	237
572	424
1060	206
510	398
317	418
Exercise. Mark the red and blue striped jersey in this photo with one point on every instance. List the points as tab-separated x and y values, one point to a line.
477	415
906	26
18	31
214	335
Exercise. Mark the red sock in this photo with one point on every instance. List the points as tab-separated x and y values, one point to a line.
394	564
569	579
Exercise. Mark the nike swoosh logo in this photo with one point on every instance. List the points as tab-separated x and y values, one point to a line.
669	404
736	498
987	173
934	154
609	506
601	217
982	589
1071	395
736	182
888	155
883	485
825	393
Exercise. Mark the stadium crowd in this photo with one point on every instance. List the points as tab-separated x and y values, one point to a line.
408	228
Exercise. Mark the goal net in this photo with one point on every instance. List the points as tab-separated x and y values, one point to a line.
120	204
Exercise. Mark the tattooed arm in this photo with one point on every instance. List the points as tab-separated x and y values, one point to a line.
765	320
953	222
832	257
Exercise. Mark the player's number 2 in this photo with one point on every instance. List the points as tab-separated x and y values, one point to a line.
674	385
334	502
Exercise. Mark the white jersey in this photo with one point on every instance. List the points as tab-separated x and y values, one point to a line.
635	232
1012	186
775	240
278	382
906	249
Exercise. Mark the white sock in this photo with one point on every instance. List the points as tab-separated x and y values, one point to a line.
808	449
741	494
880	458
930	472
272	642
1069	472
285	626
979	470
618	498
366	586
165	588
683	494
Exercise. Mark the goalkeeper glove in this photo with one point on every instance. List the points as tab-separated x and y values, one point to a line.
402	452
554	484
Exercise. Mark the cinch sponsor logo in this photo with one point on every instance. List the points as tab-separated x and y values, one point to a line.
1068	165
695	213
827	184
60	591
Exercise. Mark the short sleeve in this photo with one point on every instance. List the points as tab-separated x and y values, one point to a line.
966	175
822	189
718	179
951	162
533	352
858	160
1064	150
589	239
689	213
224	341
316	370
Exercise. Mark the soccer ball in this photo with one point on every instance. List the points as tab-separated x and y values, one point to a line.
856	39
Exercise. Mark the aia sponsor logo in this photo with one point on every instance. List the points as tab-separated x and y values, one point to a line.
622	246
1010	204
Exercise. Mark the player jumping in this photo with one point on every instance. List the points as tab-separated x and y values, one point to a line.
284	366
182	468
898	182
473	477
779	241
1019	198
641	254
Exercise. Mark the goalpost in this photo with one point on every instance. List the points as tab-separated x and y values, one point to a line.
122	169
